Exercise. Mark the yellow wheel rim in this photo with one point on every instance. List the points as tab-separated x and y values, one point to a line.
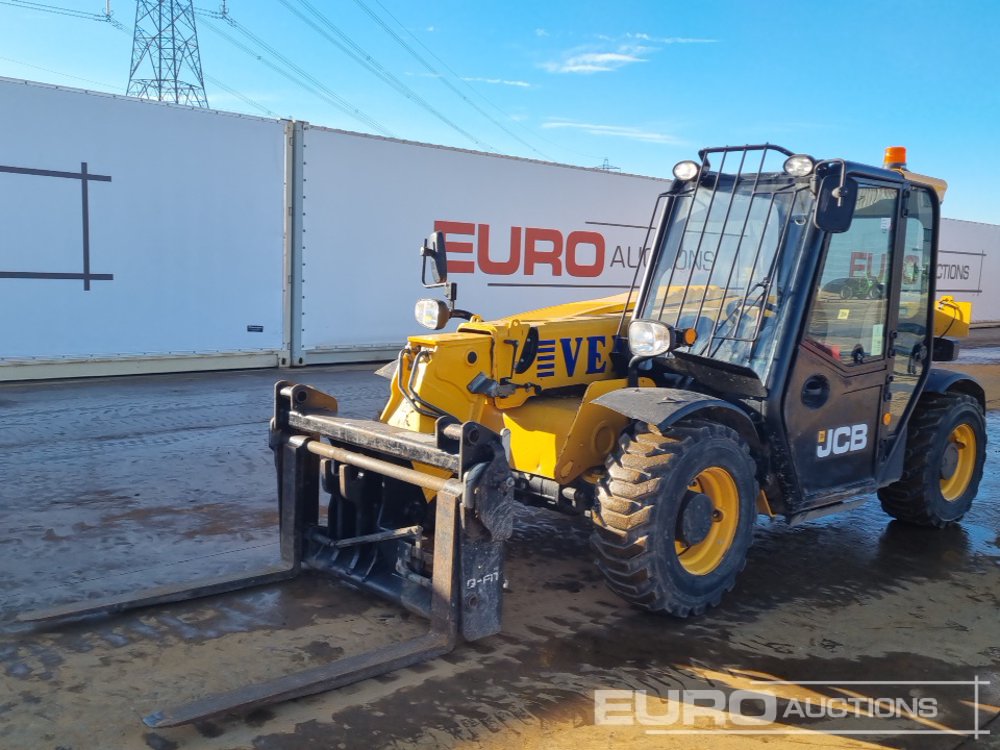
705	556
963	440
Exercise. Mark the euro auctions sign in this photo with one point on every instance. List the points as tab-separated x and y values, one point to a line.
479	248
893	708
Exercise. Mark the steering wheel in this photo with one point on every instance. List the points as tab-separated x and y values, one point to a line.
737	315
735	307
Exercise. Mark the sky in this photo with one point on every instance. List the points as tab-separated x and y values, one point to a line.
639	85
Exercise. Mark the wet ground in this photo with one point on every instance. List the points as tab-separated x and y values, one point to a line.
122	483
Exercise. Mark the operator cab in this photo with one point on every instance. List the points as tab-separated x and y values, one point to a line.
805	287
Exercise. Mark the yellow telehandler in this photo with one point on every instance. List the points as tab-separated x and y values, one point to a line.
775	358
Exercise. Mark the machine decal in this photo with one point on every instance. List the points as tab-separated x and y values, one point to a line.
588	352
86	275
840	440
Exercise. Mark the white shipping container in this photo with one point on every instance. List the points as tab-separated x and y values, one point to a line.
969	266
521	234
136	231
137	237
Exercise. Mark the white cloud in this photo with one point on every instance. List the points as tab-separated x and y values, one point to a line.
541	32
627	49
430	29
615	131
497	81
670	39
595	62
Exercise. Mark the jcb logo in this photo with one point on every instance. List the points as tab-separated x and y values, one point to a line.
839	440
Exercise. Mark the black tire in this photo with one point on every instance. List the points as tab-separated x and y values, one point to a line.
919	496
639	507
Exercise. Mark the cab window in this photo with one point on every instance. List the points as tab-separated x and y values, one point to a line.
912	355
850	302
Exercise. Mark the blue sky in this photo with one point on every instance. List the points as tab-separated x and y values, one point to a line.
641	84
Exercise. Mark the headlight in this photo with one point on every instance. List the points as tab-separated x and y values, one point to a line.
799	165
432	313
648	338
686	170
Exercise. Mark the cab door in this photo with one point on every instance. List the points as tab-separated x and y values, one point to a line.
834	401
912	329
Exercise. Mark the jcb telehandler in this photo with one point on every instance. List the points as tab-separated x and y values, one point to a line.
739	379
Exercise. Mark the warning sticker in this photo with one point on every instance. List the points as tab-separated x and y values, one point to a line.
877	337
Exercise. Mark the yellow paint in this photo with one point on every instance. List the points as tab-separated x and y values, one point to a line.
938	185
440	374
558	436
963	437
702	558
561	437
952	318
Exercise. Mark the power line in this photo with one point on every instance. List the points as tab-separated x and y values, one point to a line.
473	89
108	18
71	12
216	82
431	69
105	84
299	77
347	45
256	105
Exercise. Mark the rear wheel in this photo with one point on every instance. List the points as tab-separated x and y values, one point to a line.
945	452
674	517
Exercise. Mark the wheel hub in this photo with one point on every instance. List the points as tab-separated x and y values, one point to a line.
949	460
695	518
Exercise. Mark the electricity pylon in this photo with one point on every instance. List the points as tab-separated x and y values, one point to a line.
165	47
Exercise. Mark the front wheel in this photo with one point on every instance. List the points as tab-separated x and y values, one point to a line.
945	453
674	516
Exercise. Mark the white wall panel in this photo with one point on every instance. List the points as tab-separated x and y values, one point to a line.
368	203
181	222
969	266
172	257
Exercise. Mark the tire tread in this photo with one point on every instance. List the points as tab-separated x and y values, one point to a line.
623	520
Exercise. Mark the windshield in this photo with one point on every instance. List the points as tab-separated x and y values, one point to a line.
721	268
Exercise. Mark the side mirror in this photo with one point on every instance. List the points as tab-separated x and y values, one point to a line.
434	250
835	202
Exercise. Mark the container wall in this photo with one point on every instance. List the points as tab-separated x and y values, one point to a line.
969	266
520	234
135	231
142	237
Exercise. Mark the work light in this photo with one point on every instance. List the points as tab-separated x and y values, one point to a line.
432	313
648	338
799	165
686	170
